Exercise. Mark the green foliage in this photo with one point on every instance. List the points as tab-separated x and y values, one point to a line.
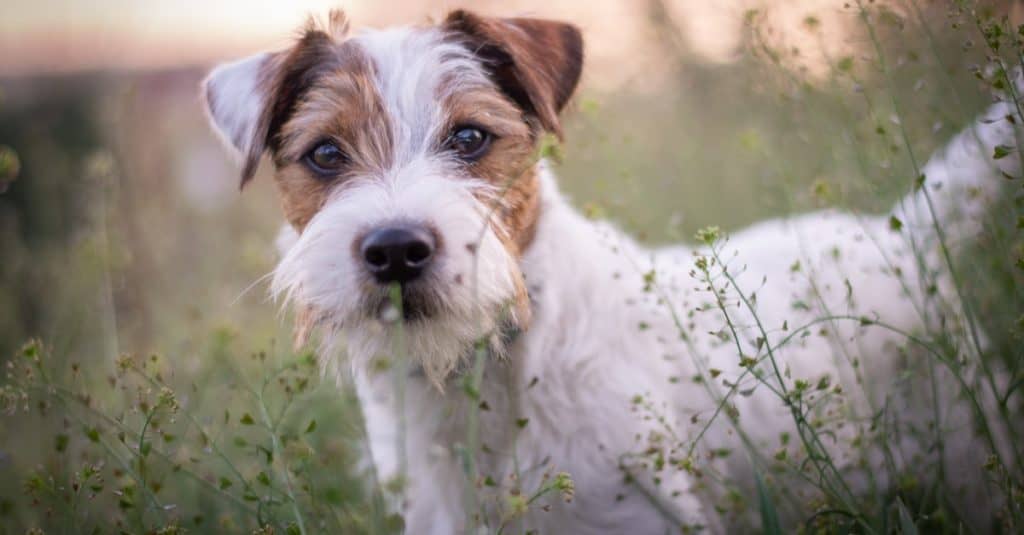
223	431
136	450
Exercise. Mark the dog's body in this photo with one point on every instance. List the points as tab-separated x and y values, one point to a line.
537	341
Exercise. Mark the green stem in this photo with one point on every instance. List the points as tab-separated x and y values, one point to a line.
278	454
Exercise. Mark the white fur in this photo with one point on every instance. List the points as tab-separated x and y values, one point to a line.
411	65
604	378
234	101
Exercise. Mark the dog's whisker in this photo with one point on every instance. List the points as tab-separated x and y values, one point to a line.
252	285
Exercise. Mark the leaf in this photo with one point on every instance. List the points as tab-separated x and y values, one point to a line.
267	453
1001	151
225	483
521	422
907	526
311	427
769	516
263	478
9	166
551	149
247	419
895	224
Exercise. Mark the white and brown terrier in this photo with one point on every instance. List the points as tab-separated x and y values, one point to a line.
408	158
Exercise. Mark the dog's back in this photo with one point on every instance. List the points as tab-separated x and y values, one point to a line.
824	328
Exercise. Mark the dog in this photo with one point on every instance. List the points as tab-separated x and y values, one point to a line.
519	364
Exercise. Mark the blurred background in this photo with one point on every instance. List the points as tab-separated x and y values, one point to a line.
123	232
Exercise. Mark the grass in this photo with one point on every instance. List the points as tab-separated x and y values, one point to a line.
152	398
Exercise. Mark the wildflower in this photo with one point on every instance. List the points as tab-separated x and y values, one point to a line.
167	399
708	235
563	484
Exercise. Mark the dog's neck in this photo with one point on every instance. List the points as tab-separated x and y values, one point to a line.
565	242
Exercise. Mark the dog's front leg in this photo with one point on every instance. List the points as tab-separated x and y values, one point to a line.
415	469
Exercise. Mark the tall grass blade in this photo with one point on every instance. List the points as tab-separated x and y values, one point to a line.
769	516
907	526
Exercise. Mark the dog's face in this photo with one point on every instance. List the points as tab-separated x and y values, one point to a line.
404	158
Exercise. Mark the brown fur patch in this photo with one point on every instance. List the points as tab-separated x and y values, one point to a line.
537	63
341	106
306	319
509	162
284	77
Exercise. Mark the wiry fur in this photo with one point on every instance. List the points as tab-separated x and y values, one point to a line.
603	380
315	273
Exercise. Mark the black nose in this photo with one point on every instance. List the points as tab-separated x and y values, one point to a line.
397	253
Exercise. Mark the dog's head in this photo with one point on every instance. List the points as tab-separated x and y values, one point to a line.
406	164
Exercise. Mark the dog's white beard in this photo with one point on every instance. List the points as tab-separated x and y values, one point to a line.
469	287
439	345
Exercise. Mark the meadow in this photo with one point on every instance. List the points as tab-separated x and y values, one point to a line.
149	381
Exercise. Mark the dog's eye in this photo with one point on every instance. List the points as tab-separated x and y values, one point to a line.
469	142
325	158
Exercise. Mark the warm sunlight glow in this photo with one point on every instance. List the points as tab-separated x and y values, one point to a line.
58	35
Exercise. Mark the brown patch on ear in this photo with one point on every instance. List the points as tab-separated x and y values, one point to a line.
251	159
251	142
293	73
537	63
285	76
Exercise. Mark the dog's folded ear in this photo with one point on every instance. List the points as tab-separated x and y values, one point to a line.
248	100
236	96
537	63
